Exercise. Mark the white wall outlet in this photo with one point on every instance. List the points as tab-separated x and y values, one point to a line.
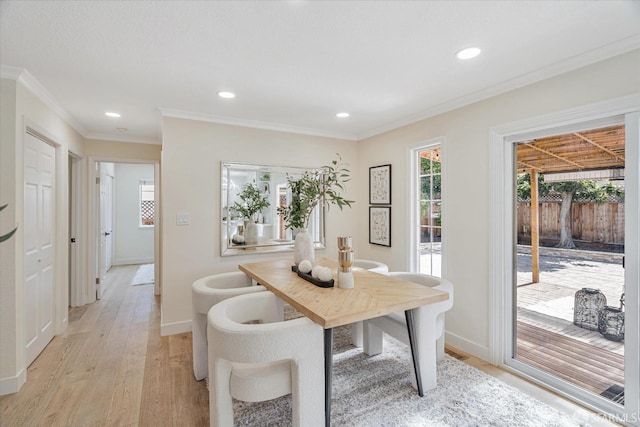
182	219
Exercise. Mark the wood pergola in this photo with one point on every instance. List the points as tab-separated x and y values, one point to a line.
589	150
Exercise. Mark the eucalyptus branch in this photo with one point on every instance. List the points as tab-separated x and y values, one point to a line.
321	187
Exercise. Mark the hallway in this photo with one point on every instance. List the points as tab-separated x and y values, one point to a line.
112	368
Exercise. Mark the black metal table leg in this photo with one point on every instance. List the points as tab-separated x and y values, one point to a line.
328	374
414	351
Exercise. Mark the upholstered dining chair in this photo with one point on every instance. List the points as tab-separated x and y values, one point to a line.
373	266
429	327
205	293
255	356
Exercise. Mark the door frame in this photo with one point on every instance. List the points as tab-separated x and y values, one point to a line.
104	218
78	251
502	230
93	223
61	229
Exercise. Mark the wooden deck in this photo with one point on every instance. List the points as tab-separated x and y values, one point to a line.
590	367
546	337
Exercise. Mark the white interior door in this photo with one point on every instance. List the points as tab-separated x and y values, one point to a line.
105	215
108	225
39	204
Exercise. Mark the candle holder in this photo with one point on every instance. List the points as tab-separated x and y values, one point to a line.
344	243
345	262
345	259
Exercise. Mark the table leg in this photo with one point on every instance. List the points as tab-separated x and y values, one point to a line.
414	350
328	374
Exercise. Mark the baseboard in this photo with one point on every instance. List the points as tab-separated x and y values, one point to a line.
12	384
467	346
175	328
129	261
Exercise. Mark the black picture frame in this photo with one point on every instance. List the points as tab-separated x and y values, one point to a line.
380	185
380	225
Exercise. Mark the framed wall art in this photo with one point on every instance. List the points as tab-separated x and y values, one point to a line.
380	225
380	185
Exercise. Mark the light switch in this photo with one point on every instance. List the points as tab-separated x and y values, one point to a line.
182	219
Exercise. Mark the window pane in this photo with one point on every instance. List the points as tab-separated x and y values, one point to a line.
437	187
147	202
425	166
425	237
425	187
424	212
436	218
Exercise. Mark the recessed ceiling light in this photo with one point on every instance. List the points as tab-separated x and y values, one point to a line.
342	115
110	114
227	95
468	53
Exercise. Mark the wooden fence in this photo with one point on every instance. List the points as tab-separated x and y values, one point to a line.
590	222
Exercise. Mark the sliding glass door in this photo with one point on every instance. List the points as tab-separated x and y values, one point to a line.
564	244
569	287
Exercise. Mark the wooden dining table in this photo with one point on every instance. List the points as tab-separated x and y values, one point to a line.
373	295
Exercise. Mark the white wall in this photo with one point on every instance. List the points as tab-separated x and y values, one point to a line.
191	156
132	244
466	180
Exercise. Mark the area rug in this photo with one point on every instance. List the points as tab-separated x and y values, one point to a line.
144	275
376	391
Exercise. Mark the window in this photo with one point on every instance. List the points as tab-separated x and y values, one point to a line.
147	203
430	211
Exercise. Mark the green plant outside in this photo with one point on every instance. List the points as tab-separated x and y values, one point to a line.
582	190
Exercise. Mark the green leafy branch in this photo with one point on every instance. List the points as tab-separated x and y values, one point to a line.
9	234
322	187
252	201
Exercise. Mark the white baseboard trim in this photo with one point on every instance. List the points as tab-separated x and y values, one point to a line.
12	384
467	346
129	261
175	328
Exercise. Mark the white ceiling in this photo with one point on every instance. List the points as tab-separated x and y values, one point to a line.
295	64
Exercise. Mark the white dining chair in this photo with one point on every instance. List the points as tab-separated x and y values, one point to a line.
429	328
255	356
205	293
375	267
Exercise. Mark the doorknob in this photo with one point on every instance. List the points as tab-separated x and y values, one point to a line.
107	233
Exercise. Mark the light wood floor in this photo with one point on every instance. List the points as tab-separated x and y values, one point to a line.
112	368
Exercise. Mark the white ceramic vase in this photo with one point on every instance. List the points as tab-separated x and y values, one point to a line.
303	247
250	232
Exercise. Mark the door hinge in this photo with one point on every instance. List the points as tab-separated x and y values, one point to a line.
97	280
97	180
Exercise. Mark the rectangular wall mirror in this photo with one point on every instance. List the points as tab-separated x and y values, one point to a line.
265	231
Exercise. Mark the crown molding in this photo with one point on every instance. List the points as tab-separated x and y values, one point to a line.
180	114
587	58
32	85
10	73
123	138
